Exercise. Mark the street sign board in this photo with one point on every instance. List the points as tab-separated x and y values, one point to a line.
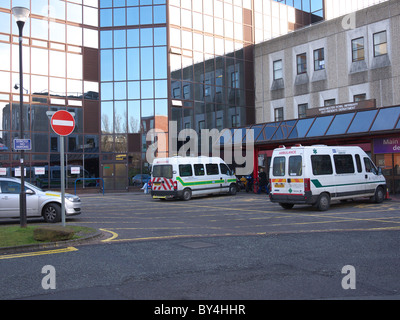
22	144
63	123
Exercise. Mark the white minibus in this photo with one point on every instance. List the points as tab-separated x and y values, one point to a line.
318	174
184	177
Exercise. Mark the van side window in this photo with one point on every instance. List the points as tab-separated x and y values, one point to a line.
278	167
212	169
198	170
321	165
358	162
185	170
369	166
295	166
343	163
224	169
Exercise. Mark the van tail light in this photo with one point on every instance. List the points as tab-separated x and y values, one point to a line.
307	184
270	185
175	185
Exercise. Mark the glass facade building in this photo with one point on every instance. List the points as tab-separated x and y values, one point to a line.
125	67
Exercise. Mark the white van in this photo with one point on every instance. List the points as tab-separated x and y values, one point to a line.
184	177
318	174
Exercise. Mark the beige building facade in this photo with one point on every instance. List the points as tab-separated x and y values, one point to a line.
350	58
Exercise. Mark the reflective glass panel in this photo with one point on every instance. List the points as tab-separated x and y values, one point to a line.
340	124
159	14
134	90
147	89
120	64
146	63
120	90
120	117
106	18
119	17
133	64
146	15
386	119
362	121
119	38
301	128
133	38
160	62
132	16
320	126
40	62
284	129
106	39
5	22
134	116
268	131
107	117
107	92
106	68
146	37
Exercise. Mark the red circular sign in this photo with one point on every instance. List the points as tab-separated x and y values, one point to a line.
63	123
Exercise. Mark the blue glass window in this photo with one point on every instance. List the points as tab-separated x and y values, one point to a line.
119	38
284	129
107	92
106	68
340	124
146	63
106	39
119	17
132	2
386	119
320	126
132	16
362	121
301	128
106	18
146	2
268	131
133	90
105	3
160	15
146	15
160	36
133	38
257	129
146	37
133	64
160	62
161	89
147	89
120	90
119	64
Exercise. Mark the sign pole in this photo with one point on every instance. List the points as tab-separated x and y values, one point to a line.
62	180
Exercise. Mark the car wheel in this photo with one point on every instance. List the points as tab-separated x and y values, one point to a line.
232	189
379	195
187	194
324	202
52	213
286	205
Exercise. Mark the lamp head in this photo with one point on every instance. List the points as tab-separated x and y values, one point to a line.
20	14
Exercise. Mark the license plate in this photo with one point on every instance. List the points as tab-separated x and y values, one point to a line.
279	185
159	197
157	183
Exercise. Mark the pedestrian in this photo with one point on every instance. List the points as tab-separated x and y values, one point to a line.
263	181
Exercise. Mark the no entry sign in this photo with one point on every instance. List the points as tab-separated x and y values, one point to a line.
63	123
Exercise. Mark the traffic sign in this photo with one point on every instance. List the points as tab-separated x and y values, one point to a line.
22	144
63	123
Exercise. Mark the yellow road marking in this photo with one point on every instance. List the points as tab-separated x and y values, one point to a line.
37	253
114	235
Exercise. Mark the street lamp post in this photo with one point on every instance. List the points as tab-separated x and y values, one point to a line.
20	16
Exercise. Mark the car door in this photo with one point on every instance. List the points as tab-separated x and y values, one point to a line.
9	199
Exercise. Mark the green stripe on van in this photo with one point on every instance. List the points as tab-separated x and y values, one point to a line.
318	184
201	183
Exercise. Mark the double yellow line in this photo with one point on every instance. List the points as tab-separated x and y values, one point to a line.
37	253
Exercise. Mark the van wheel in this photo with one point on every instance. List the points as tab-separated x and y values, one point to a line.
52	213
286	205
187	194
323	202
379	195
232	189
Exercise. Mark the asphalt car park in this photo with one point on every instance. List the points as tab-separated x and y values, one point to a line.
138	217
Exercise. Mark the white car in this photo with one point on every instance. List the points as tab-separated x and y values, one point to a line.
38	202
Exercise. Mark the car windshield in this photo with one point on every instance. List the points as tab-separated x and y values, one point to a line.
31	186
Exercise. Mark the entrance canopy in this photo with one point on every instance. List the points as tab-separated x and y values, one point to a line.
355	124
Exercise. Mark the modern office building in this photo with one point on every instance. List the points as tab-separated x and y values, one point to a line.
125	67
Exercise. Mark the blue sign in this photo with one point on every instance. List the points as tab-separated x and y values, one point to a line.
22	144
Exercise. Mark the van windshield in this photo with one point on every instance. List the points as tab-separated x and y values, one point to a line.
162	171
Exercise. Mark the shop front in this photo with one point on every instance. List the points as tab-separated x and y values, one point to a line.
387	156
